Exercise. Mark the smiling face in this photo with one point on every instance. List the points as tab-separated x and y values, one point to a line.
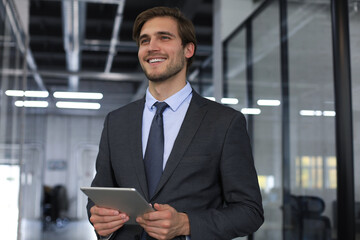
161	53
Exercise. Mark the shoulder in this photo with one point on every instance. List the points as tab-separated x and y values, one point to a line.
125	114
128	109
214	107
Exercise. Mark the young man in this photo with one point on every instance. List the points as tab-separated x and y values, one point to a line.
207	188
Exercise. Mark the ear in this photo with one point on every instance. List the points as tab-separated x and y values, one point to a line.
189	50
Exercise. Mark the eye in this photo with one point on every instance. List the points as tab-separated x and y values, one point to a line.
165	37
144	41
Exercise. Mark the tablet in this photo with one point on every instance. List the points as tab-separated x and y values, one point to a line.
126	200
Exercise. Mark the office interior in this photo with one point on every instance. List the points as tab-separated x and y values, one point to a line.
277	61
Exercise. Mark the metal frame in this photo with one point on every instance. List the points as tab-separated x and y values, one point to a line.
249	77
285	124
344	128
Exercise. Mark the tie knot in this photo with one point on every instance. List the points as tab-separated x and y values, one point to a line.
160	107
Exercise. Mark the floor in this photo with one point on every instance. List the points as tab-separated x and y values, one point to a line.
74	230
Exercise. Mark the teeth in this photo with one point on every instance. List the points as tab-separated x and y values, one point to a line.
156	60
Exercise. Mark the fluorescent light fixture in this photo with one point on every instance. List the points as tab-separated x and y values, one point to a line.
251	111
38	104
268	102
232	101
316	113
211	98
20	93
14	93
78	105
225	100
78	95
39	94
329	113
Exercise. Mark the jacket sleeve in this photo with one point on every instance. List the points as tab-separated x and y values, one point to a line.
242	212
104	174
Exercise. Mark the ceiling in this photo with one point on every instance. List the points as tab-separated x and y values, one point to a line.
87	45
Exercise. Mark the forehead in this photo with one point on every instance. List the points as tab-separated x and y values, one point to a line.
160	24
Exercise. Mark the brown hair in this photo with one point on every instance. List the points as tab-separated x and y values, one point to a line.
185	26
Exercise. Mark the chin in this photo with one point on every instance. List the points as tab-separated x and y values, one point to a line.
156	79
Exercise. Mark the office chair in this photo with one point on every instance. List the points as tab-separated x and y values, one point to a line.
307	221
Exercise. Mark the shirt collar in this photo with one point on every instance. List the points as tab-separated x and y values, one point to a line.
173	101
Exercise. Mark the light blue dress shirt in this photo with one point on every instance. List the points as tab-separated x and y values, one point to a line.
173	117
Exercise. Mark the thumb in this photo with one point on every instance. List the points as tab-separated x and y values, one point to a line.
160	207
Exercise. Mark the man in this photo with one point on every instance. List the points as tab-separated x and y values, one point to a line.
208	188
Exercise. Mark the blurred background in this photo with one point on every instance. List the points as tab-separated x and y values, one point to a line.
64	64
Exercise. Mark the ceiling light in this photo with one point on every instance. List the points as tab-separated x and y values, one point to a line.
39	94
232	101
39	104
311	113
268	102
251	111
225	100
14	93
20	93
78	105
329	113
78	95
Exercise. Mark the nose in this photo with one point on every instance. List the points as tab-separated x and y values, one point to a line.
153	45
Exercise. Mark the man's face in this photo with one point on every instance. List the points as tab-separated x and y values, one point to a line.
161	53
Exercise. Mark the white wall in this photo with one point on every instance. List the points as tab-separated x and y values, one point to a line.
59	150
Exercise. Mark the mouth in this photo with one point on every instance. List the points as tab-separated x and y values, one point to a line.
155	60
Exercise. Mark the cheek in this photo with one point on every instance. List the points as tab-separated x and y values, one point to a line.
140	53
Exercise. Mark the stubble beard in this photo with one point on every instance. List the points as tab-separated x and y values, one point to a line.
170	71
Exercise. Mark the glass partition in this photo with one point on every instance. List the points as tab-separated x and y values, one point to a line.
252	76
267	137
235	70
312	119
309	209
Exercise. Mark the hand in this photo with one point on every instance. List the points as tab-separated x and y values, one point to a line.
107	221
165	223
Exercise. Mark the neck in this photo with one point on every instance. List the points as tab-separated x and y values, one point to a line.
165	89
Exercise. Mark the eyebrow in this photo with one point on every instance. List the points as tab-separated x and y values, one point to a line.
158	33
165	33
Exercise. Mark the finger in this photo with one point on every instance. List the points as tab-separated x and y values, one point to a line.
106	232
139	220
105	219
104	211
153	216
147	223
157	214
161	207
159	233
109	227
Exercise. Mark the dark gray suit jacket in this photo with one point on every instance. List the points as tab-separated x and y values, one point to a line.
210	173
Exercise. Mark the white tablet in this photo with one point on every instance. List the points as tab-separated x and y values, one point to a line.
126	200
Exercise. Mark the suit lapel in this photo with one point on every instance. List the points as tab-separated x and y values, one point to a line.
135	139
191	123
